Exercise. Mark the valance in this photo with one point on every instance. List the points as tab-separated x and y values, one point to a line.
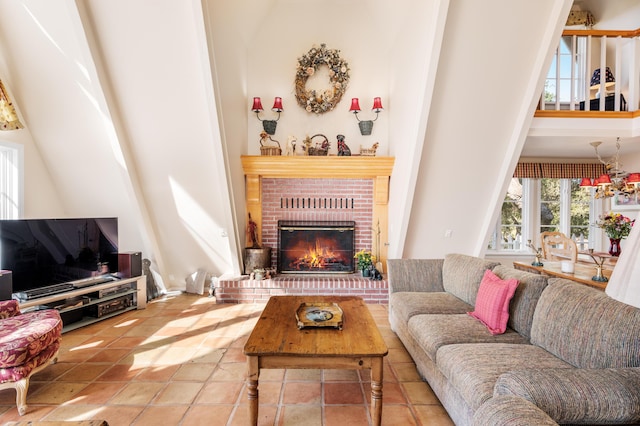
559	170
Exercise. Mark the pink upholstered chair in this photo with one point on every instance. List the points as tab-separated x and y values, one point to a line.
27	343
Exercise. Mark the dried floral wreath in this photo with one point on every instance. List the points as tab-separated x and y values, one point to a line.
324	100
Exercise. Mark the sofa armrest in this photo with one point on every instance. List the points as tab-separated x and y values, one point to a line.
415	275
9	308
506	410
578	395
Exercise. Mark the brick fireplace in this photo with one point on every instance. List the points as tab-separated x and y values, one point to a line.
317	199
309	188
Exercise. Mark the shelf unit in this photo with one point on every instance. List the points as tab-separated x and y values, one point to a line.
138	290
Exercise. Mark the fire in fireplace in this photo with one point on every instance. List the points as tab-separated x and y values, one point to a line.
316	246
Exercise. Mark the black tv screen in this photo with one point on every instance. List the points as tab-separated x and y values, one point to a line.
42	252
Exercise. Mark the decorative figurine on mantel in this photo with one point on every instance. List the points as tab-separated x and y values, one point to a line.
291	145
369	152
265	148
538	260
343	148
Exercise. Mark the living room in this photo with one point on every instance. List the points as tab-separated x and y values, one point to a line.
142	111
150	148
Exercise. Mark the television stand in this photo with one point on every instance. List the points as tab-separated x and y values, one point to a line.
86	305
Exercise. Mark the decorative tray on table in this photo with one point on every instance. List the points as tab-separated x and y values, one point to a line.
319	314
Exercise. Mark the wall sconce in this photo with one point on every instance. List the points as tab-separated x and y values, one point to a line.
269	126
365	126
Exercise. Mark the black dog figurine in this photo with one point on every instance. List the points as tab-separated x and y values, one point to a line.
343	149
375	275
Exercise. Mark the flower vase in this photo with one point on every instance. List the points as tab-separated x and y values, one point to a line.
614	247
366	272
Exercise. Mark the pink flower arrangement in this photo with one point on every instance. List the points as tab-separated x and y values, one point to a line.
615	225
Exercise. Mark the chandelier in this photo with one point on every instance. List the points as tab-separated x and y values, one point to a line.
616	181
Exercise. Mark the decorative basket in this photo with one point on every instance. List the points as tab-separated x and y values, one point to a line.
270	149
320	149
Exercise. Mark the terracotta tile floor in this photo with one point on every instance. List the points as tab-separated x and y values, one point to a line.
180	362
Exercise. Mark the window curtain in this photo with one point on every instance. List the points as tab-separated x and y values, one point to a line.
624	284
559	170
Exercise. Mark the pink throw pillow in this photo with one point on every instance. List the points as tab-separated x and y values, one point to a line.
492	302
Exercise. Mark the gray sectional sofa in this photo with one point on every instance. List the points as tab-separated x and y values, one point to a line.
570	355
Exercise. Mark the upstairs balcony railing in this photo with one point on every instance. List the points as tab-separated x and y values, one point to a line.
584	57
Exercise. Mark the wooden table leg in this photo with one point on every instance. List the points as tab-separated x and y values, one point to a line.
253	372
376	390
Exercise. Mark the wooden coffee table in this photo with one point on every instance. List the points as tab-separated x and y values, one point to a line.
277	342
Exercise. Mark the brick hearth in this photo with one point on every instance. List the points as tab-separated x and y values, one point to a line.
245	290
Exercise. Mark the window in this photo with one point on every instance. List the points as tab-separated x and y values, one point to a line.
565	78
553	205
508	236
10	181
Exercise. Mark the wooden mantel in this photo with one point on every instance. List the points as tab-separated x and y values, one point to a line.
355	167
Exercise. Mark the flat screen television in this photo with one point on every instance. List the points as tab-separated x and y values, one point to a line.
42	252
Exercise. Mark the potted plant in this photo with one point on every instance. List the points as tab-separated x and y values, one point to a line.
617	227
364	260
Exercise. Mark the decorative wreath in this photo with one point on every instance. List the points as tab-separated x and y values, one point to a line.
325	100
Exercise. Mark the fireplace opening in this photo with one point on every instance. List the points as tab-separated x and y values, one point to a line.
316	246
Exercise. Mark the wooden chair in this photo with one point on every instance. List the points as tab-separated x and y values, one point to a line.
557	246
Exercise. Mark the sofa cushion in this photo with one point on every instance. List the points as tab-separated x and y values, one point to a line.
473	369
510	411
23	337
578	395
524	301
407	304
414	275
492	302
461	275
433	331
585	327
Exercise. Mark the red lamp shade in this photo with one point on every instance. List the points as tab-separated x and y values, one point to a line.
277	105
257	105
604	180
355	105
377	105
633	178
586	182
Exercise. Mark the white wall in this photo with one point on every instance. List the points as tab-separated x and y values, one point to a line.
122	118
412	84
290	31
613	15
468	155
